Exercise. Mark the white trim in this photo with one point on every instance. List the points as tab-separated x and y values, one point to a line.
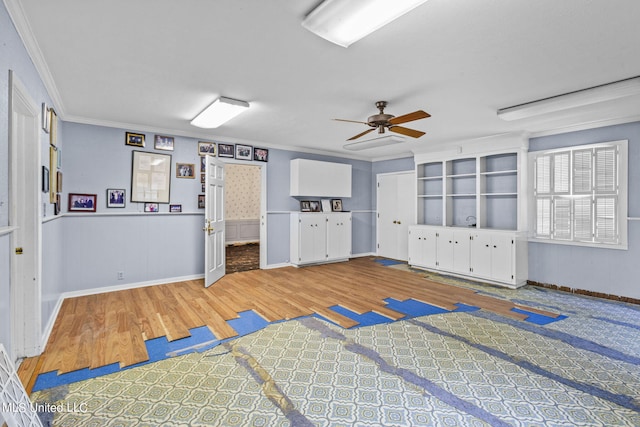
633	219
7	230
281	265
363	255
621	247
103	214
586	126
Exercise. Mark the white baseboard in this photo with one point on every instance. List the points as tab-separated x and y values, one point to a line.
363	255
281	265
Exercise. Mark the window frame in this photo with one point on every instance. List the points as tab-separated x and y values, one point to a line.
595	195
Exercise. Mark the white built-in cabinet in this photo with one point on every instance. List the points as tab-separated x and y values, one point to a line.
495	256
320	237
471	214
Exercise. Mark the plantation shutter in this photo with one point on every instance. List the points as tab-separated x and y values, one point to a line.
606	170
582	160
606	219
543	175
582	219
543	217
562	219
561	173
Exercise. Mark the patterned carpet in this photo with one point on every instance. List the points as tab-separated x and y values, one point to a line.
470	368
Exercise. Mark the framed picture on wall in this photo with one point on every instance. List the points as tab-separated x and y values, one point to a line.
151	207
175	208
82	202
57	205
116	198
205	148
336	205
200	201
59	181
150	177
185	170
46	119
305	206
134	139
53	127
45	179
161	142
260	154
226	150
314	205
244	152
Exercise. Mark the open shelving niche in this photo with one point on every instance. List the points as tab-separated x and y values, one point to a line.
481	189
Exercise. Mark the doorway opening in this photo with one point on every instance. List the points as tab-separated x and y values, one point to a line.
242	211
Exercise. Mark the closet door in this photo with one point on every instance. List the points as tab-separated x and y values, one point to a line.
395	212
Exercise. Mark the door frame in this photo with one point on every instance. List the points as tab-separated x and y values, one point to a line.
263	204
377	216
24	196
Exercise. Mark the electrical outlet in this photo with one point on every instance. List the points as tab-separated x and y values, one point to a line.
120	275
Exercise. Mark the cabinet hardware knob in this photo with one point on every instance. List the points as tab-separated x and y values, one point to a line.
395	222
399	222
487	245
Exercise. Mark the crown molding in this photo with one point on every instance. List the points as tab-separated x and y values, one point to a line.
23	27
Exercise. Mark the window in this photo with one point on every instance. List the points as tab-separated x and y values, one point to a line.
580	195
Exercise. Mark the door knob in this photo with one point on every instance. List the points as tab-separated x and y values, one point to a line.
207	226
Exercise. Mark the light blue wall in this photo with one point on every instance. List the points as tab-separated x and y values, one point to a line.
608	271
13	56
279	203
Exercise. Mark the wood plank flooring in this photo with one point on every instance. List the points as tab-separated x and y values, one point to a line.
98	330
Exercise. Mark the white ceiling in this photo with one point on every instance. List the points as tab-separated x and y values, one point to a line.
152	65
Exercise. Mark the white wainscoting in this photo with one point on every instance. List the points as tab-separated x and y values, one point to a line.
242	231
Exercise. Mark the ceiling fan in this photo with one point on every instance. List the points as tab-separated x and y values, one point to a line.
384	121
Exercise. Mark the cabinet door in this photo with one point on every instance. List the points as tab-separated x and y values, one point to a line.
481	255
461	252
312	238
338	236
502	258
445	249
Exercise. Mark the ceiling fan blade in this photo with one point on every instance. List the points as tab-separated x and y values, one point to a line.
416	115
350	121
361	134
406	131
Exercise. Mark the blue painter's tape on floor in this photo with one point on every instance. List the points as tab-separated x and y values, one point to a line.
464	308
52	379
388	262
366	319
248	323
413	308
538	319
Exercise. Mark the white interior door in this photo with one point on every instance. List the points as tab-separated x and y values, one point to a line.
214	223
396	210
26	261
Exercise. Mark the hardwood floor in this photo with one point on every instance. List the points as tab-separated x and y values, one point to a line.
98	330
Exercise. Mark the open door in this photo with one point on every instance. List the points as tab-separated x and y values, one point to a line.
214	224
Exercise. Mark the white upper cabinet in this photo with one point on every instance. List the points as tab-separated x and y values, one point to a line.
312	178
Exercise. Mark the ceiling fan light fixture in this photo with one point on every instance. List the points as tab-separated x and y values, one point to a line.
345	22
219	112
374	142
580	98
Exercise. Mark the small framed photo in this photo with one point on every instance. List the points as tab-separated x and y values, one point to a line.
314	205
203	177
53	127
226	150
244	152
336	205
46	118
161	142
305	206
45	179
116	198
82	202
204	187
200	201
260	154
185	170
134	139
175	208
59	181
151	207
56	205
205	148
203	164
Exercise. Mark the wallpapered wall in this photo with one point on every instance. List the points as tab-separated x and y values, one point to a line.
242	192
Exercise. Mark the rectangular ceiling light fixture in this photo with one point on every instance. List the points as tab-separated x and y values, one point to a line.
345	22
220	111
594	95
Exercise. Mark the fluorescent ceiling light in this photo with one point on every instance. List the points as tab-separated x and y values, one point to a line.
372	143
345	22
594	95
220	111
